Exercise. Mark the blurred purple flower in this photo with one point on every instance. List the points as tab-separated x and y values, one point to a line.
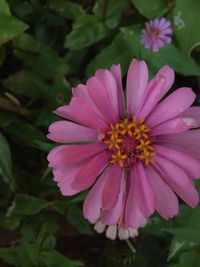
158	32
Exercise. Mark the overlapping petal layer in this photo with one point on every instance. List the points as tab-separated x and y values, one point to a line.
137	161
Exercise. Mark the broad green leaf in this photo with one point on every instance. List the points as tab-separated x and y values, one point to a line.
10	223
189	259
27	42
176	59
74	58
24	132
4	7
49	242
26	205
5	163
186	20
110	11
186	233
10	28
151	9
44	146
6	118
188	217
66	9
28	232
10	255
178	246
121	51
87	30
75	218
49	64
26	83
22	8
55	259
46	62
29	254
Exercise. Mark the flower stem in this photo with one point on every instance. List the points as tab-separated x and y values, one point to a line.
130	245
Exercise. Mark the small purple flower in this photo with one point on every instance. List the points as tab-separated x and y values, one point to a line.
158	32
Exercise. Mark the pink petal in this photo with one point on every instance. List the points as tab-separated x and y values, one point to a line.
81	92
68	154
183	188
88	174
156	89
113	215
137	79
172	126
190	165
194	113
63	111
133	216
65	176
112	187
171	173
100	97
189	195
166	202
66	131
116	72
192	151
171	106
82	114
190	138
93	201
143	191
110	84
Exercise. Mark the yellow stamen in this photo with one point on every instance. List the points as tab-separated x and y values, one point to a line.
135	132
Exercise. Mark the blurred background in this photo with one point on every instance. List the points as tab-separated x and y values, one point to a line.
46	48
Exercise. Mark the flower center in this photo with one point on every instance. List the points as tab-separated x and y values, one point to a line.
128	141
154	34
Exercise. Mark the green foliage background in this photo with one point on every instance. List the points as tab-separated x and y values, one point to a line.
46	47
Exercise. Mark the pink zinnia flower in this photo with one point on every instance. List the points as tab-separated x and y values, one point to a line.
157	33
135	161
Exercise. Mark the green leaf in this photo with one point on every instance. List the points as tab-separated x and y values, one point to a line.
177	246
49	64
121	51
87	30
4	7
26	83
26	205
6	118
27	42
49	242
189	258
55	259
176	59
10	28
5	163
75	218
10	223
46	62
151	9
29	254
186	233
74	58
22	9
10	255
24	133
66	9
110	11
186	18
